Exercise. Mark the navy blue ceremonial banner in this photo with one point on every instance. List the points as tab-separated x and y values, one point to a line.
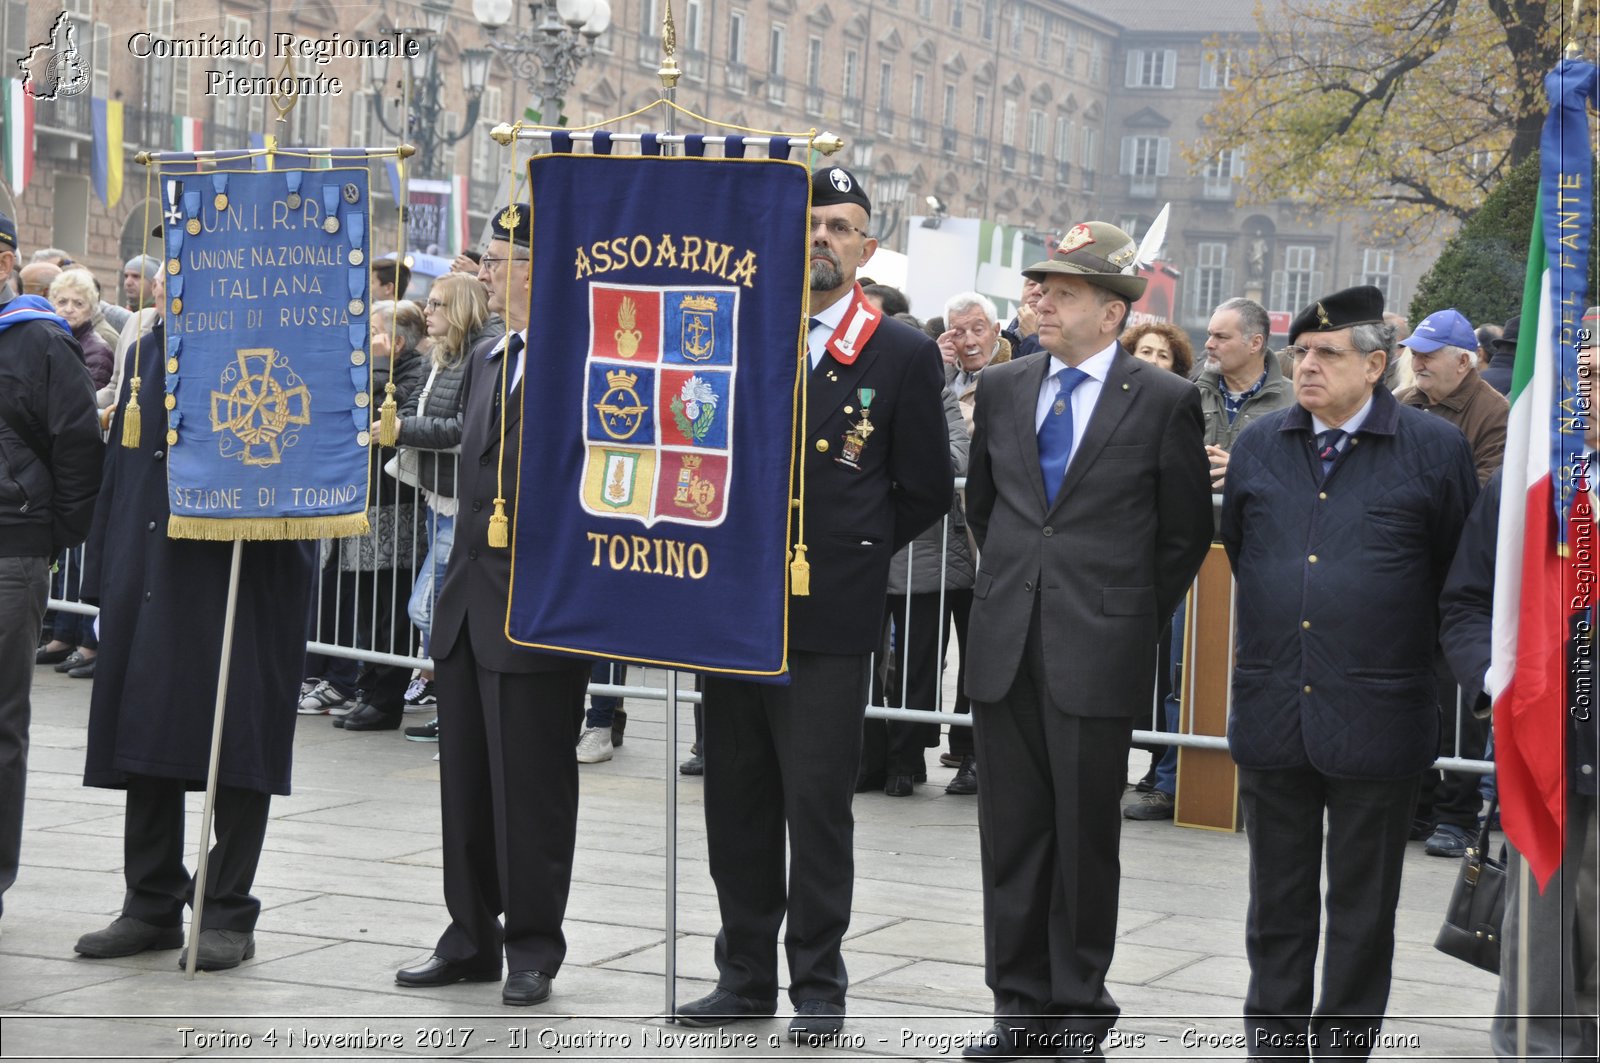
268	400
659	410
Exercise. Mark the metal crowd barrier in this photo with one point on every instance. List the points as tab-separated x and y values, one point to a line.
348	626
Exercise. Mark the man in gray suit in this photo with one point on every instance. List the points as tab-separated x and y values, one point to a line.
1088	495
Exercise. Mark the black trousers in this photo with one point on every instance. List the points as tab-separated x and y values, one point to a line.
158	883
1453	796
1049	826
894	747
508	797
1367	826
959	612
783	759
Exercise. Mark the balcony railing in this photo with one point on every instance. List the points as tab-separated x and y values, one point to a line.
919	131
1063	171
886	122
1008	158
947	141
850	110
736	77
1035	164
1088	180
776	87
1142	186
980	149
64	114
814	97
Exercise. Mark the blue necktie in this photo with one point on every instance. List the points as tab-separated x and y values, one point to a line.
1328	448
1055	435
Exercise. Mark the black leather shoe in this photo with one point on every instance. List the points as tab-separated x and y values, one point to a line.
526	987
71	661
899	786
720	1006
84	670
816	1019
44	656
368	718
437	972
695	765
221	950
966	781
128	936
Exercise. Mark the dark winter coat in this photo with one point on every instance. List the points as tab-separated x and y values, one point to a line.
97	356
436	434
162	604
1338	588
917	564
49	441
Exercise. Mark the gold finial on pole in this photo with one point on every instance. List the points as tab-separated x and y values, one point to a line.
503	134
827	143
1573	49
669	72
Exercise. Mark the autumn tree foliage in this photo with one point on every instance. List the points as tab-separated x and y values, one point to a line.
1410	109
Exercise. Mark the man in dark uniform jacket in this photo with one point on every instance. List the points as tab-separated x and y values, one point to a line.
876	472
1340	517
508	717
1088	496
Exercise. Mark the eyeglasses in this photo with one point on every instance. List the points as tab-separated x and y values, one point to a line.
494	261
1298	353
432	304
837	227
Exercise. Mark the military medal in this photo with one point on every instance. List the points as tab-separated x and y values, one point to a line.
355	306
172	437
356	257
358	357
293	179
171	401
221	201
363	399
855	438
330	225
193	226
352	194
177	306
293	200
364	438
173	266
172	365
330	208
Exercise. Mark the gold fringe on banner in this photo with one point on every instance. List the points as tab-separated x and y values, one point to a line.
212	529
132	423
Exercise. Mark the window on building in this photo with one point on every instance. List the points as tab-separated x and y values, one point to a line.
980	127
886	98
1154	68
1213	281
1097	61
947	120
691	27
735	72
1220	170
776	42
231	111
1298	282
925	9
1216	70
814	93
649	48
919	108
850	86
1377	269
1090	160
1034	143
1144	160
955	13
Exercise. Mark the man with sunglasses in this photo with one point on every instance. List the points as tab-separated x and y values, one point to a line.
508	717
1340	516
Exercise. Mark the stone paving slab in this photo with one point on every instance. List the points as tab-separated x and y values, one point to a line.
350	888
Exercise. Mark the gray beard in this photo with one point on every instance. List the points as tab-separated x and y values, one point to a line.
826	276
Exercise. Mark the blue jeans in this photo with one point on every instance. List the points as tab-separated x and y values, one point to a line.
603	707
425	591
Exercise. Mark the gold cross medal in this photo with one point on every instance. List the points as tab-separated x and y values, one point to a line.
855	438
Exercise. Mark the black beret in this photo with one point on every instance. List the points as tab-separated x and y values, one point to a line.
1361	305
835	184
514	224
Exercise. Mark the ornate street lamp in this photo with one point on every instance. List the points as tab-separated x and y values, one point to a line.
548	53
421	88
889	196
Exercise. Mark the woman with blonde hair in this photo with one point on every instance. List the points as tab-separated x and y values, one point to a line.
456	312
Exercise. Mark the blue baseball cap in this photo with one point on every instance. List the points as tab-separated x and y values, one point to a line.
8	233
1443	328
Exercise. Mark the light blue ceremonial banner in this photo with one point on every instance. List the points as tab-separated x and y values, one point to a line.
268	385
666	331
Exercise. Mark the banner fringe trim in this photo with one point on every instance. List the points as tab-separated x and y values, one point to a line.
218	530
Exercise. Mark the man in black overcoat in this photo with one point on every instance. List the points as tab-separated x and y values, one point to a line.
508	717
162	603
784	757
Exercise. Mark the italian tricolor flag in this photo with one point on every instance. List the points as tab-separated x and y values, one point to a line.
186	133
1545	551
16	134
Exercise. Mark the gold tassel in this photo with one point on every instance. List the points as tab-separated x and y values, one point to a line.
800	573
388	421
131	421
499	526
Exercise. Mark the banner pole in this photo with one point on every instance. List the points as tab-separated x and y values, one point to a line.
669	74
223	667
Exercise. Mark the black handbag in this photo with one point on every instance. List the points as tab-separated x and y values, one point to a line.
1471	929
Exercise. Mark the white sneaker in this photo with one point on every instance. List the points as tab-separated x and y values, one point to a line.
594	745
324	699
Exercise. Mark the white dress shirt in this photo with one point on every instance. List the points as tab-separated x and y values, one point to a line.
1084	396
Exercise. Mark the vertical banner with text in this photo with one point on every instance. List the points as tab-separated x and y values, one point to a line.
667	315
268	402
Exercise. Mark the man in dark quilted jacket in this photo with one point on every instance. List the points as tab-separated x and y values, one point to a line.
1340	516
